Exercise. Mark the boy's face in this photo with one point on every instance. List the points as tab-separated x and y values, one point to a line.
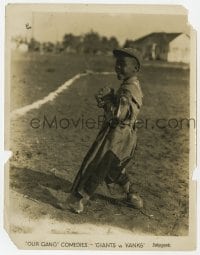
125	67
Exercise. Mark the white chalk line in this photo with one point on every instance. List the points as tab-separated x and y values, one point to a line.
52	95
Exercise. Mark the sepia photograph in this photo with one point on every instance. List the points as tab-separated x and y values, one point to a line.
100	118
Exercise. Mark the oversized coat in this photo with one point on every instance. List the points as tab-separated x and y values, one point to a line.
115	143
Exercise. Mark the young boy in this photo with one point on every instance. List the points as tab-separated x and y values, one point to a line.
116	141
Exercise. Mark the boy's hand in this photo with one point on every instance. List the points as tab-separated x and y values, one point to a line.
104	95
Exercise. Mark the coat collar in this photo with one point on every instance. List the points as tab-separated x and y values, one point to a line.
130	80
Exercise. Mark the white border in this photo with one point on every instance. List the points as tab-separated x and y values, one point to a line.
6	246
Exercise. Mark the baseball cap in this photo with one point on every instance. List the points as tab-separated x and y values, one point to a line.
128	52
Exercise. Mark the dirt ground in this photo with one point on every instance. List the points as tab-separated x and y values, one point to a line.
45	160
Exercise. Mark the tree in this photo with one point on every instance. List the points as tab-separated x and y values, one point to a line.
59	47
68	40
108	44
128	43
113	43
104	44
72	42
91	43
34	45
48	47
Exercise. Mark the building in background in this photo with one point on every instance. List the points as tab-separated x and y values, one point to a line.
179	49
172	47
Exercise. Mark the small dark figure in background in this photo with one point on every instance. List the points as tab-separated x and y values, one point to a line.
115	144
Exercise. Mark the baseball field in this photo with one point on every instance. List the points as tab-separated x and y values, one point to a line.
55	119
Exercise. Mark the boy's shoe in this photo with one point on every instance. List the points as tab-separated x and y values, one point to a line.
77	206
72	202
132	199
135	200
